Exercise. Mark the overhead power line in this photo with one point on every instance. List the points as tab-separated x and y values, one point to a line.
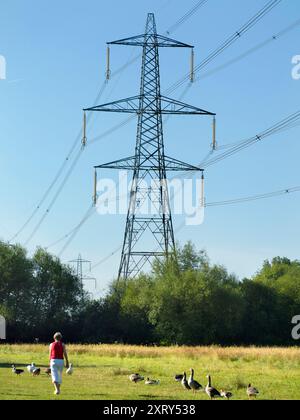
187	16
241	200
254	197
286	123
228	42
191	12
250	51
255	19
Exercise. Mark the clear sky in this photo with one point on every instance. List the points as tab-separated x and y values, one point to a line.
55	54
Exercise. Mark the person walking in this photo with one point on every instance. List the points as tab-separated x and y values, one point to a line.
57	355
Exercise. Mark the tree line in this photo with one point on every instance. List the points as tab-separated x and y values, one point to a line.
187	301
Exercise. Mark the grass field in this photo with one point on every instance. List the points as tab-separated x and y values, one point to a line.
101	372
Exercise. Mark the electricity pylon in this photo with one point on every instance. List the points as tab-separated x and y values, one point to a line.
149	164
79	270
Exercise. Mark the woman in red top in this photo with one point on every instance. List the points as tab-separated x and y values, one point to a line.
57	354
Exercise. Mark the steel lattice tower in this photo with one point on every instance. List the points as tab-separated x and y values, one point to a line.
149	164
79	270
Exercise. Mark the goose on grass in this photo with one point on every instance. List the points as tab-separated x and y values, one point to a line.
136	377
184	382
252	392
194	385
17	372
226	394
210	390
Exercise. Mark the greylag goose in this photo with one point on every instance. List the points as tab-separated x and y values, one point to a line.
17	371
136	377
184	382
70	370
151	382
48	371
194	385
31	368
211	392
36	372
252	392
226	394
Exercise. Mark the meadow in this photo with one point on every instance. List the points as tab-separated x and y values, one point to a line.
101	372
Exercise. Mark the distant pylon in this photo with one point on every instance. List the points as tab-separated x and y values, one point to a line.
79	263
149	164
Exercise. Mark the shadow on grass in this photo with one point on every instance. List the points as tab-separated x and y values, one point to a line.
19	365
156	397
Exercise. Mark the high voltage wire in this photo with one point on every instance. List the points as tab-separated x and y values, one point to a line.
254	197
237	35
186	16
90	213
54	199
59	173
222	147
172	29
67	159
283	125
267	8
241	200
252	50
232	39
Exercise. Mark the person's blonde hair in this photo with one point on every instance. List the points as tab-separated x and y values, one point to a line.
57	336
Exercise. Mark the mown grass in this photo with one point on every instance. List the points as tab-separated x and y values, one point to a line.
101	372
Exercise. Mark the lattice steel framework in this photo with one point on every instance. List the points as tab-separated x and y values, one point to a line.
79	263
149	164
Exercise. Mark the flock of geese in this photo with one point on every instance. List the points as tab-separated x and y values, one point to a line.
187	384
192	384
35	371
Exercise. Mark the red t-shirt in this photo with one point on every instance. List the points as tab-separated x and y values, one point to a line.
57	350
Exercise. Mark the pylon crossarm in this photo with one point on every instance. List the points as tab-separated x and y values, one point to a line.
126	164
133	104
177	165
172	106
129	105
150	40
130	164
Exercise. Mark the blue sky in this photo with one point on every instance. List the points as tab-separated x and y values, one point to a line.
55	54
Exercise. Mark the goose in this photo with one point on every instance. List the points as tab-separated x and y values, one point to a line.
226	394
17	371
252	392
31	368
211	392
136	377
151	382
178	378
184	382
194	385
48	371
36	372
70	370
